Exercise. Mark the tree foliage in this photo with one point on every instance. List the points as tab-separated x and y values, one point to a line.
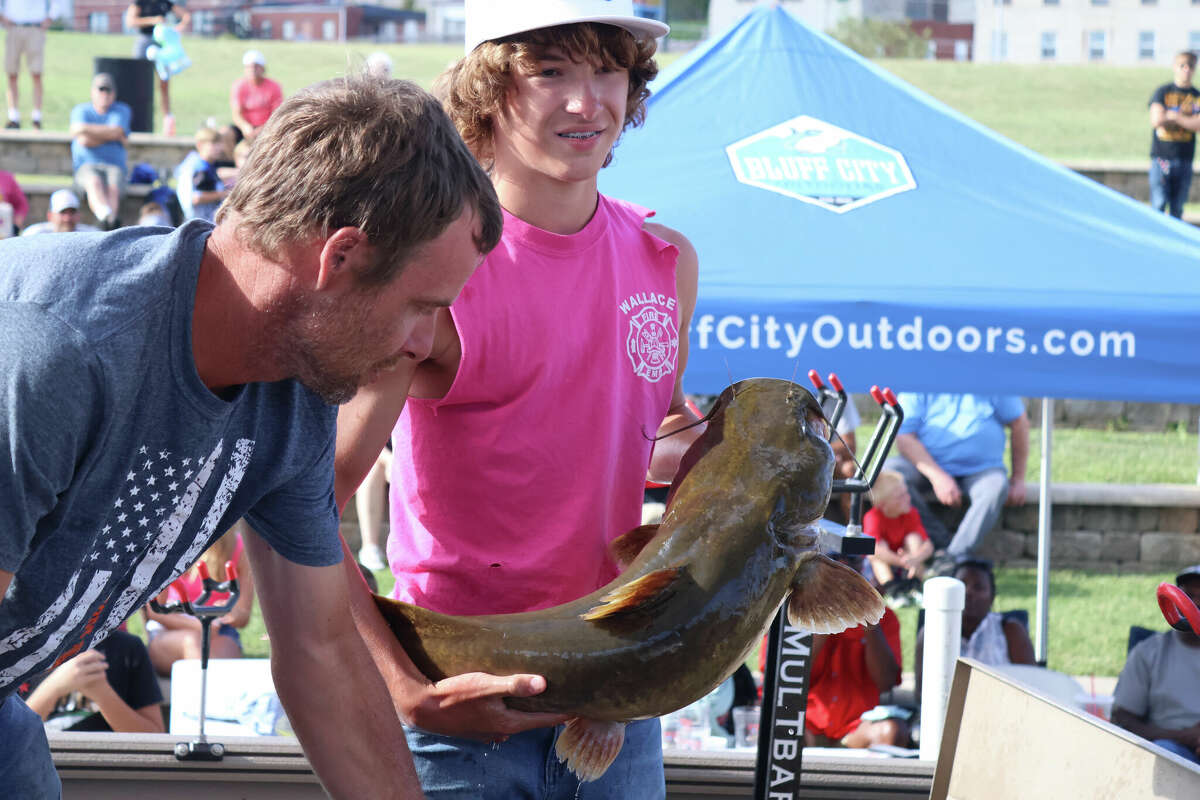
875	38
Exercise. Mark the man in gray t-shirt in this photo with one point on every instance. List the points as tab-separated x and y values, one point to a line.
157	386
1158	693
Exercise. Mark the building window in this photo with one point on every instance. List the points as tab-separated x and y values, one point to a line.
1146	45
264	29
98	22
1049	45
328	30
962	50
1149	2
289	29
203	20
931	50
1099	2
1194	41
1049	2
1097	45
999	45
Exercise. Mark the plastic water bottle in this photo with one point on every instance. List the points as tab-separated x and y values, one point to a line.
6	220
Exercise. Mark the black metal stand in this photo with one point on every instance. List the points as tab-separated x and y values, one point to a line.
779	764
200	749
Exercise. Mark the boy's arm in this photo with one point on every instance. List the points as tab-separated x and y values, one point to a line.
664	460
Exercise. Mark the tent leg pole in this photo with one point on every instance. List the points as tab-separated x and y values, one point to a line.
1045	504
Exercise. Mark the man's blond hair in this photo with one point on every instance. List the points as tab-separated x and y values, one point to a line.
359	152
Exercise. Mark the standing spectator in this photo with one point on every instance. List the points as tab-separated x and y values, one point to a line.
1174	118
111	687
144	15
10	192
987	636
953	445
25	23
62	216
1156	696
99	129
253	96
542	97
200	189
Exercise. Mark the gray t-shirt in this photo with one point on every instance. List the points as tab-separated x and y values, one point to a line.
1161	682
119	466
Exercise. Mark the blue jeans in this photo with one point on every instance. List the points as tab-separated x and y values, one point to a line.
1186	753
987	491
1170	180
525	767
26	769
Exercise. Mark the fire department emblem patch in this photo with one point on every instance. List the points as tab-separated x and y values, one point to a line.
652	344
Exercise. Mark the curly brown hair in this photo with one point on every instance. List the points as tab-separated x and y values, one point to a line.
475	88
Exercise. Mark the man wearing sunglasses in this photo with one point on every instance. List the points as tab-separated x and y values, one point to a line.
98	130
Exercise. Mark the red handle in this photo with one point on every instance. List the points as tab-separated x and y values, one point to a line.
202	568
1176	606
835	383
230	571
877	395
890	396
815	378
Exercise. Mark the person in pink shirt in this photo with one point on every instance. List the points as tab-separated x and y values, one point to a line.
10	192
254	96
524	437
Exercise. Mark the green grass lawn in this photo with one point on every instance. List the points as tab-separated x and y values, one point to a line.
1066	112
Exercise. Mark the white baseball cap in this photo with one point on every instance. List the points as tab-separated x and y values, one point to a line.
62	200
495	19
253	57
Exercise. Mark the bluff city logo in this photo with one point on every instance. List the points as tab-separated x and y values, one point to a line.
815	162
653	341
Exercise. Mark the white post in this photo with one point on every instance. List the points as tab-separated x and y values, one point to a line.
944	598
1045	505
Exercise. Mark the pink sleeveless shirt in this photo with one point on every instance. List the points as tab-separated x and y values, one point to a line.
506	492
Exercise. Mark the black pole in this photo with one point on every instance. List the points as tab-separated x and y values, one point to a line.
785	698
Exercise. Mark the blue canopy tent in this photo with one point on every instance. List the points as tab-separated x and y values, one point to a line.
849	222
845	220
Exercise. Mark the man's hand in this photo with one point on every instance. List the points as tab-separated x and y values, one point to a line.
1016	492
472	706
945	488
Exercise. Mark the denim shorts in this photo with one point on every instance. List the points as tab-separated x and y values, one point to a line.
26	769
525	767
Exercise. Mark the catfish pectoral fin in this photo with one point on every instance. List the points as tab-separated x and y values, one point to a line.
828	597
638	595
589	746
625	548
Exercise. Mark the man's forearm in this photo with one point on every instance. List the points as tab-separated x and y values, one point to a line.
332	685
1147	730
911	448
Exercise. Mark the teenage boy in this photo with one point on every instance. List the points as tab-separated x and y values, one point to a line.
1175	118
525	443
157	385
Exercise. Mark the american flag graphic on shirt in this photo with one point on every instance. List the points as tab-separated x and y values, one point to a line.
143	530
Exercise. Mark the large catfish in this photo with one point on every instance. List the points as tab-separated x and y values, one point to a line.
695	593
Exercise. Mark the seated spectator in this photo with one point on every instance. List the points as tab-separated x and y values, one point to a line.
176	636
951	445
901	545
10	192
155	215
254	96
1157	694
109	688
199	188
849	671
99	129
986	636
226	165
61	217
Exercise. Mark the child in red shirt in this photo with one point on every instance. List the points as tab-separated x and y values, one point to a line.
901	544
